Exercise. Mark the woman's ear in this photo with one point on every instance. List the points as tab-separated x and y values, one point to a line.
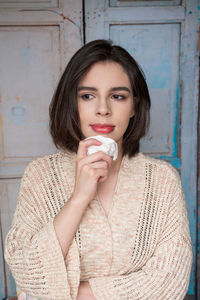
132	113
136	100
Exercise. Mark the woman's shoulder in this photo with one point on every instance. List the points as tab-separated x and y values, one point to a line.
48	162
160	166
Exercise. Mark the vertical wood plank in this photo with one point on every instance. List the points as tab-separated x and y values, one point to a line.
189	77
38	37
161	67
119	3
2	261
198	182
100	17
8	190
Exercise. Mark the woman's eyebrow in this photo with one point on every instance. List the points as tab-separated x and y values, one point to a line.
117	88
120	88
84	88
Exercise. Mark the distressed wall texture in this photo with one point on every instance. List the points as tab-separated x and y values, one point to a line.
37	38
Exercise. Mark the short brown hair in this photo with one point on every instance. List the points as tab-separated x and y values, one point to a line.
63	110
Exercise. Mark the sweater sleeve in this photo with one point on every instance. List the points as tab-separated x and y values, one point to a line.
32	249
166	274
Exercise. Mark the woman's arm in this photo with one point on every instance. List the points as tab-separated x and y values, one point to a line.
88	171
32	249
37	247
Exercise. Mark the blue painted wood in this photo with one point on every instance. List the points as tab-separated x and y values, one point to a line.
2	268
11	286
161	67
174	81
189	76
198	203
129	3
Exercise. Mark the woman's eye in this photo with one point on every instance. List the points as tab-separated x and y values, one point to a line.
87	96
119	97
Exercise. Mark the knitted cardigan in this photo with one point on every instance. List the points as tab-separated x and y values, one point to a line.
141	250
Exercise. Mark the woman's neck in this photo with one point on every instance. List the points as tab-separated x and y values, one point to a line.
115	166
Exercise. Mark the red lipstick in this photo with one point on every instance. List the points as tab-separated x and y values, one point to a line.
102	128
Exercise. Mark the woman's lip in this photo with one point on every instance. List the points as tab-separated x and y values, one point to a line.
103	128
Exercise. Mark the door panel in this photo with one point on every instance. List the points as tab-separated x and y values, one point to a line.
29	3
129	3
162	36
37	38
34	53
162	42
8	191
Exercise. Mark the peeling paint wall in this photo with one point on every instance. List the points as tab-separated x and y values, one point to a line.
163	37
37	38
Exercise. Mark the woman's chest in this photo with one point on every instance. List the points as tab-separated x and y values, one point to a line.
106	192
110	244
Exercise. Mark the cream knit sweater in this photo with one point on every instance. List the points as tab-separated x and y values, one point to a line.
140	251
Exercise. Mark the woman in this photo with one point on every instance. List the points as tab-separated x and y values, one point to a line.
89	227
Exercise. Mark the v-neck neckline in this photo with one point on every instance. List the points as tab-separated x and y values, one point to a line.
107	215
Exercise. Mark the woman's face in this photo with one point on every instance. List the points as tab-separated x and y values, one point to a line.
105	101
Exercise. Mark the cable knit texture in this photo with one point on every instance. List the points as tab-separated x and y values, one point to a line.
141	250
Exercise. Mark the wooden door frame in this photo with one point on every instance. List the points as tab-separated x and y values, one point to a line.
198	175
67	16
187	15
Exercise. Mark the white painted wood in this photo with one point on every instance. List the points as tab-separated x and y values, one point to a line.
8	191
98	19
30	16
26	90
28	3
37	57
143	3
37	39
145	14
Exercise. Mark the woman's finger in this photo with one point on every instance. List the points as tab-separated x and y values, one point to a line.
84	144
100	164
97	156
101	174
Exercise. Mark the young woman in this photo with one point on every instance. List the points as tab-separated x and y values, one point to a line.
89	227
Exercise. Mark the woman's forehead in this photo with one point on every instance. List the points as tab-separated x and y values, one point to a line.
109	72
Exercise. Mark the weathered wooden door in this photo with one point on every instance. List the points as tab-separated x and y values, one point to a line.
37	38
162	36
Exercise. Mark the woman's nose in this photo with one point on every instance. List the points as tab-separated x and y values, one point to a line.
103	107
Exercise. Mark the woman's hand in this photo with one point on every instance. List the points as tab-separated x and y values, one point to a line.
90	169
85	291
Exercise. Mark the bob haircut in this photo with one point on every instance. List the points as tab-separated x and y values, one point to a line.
64	121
